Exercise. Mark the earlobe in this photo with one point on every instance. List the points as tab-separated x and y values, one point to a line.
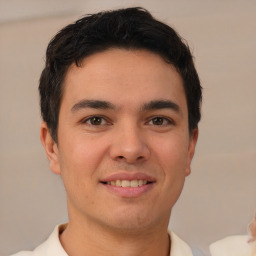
50	147
191	149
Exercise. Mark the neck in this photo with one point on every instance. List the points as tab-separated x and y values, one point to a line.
87	239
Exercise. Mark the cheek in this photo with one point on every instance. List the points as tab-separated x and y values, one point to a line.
172	153
78	162
83	154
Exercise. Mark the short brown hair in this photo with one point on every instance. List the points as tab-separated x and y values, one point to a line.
132	28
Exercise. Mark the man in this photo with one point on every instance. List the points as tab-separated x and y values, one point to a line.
120	101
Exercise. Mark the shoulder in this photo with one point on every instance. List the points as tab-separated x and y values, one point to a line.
39	251
232	245
51	246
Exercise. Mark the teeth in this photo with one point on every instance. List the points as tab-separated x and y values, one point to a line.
127	183
118	183
134	183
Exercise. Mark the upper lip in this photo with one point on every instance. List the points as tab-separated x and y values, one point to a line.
128	176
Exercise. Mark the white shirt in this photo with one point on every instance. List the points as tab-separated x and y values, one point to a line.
233	246
53	247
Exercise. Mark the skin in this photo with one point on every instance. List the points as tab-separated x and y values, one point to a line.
128	135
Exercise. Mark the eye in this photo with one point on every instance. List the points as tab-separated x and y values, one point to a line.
95	121
158	120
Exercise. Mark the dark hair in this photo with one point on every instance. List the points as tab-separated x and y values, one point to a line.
131	28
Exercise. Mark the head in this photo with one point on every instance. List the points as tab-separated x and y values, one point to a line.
120	101
132	28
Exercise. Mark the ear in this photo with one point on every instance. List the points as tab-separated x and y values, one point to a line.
191	149
50	147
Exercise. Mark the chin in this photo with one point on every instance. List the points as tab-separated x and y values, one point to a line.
132	221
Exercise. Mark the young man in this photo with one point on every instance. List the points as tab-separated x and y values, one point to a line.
120	101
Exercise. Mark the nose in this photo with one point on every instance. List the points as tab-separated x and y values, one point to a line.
129	145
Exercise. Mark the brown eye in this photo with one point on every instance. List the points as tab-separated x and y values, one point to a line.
95	121
157	121
160	121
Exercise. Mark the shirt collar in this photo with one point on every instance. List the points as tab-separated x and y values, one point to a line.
53	246
178	246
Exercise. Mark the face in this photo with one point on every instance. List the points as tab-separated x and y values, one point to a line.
124	148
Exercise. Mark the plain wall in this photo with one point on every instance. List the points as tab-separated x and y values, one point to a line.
218	197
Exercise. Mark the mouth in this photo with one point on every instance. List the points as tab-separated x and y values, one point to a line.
127	183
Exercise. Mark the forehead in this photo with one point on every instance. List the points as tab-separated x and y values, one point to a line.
123	76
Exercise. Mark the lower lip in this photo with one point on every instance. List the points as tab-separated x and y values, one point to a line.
129	192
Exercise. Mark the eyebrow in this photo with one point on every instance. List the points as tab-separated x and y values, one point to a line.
97	104
161	104
101	104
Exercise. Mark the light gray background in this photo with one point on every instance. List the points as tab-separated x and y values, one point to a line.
219	196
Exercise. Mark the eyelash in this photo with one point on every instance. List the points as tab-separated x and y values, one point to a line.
165	121
90	119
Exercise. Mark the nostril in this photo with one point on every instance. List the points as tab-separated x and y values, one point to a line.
129	158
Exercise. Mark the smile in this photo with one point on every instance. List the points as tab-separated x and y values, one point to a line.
127	183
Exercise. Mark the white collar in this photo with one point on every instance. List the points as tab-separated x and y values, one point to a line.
52	245
178	246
